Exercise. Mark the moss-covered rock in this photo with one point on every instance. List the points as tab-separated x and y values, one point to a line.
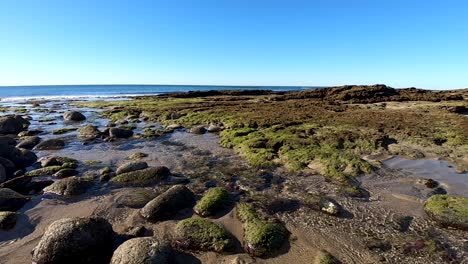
202	234
7	220
137	155
88	132
43	171
63	130
11	200
131	166
143	177
63	173
262	236
213	200
168	203
58	161
448	210
69	186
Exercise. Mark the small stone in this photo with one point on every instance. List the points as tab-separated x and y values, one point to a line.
199	130
73	116
131	166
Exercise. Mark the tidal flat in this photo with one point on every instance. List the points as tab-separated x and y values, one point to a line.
336	175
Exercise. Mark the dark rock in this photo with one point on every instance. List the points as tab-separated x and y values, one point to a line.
6	140
69	186
11	200
88	132
19	173
29	142
131	166
120	132
51	144
145	250
63	173
75	240
21	158
13	124
8	166
3	175
199	130
7	220
73	116
56	161
29	133
168	203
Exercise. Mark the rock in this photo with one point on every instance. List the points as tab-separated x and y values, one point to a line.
64	130
261	236
214	128
137	231
212	201
8	166
134	197
243	259
202	234
7	140
173	127
43	171
11	200
137	155
29	133
168	203
145	176
29	142
73	116
143	250
69	186
3	175
13	124
329	206
56	161
7	220
120	132
448	210
51	144
199	130
105	170
63	173
131	166
75	240
88	132
21	158
25	185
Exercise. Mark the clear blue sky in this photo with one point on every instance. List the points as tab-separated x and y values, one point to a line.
239	42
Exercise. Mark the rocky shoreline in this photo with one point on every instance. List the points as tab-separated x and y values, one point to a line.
234	177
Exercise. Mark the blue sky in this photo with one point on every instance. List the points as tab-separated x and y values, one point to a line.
238	42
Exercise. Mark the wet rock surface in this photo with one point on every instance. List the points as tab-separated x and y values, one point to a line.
50	144
146	250
69	186
168	203
11	200
73	116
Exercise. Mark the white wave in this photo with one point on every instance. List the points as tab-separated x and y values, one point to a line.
70	97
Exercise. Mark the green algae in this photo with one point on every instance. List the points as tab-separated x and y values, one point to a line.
202	234
448	210
213	200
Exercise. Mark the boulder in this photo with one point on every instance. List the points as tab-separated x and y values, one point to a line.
120	132
73	116
51	144
13	124
448	210
75	240
143	177
143	250
7	140
69	186
168	203
11	200
131	166
7	220
199	130
3	175
56	161
134	197
212	201
8	166
26	185
88	132
63	173
29	142
21	158
202	234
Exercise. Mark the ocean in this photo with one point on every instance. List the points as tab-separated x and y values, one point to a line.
16	93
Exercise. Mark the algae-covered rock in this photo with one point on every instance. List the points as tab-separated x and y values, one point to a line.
63	130
11	200
66	172
131	166
74	241
43	171
261	236
137	155
7	220
56	161
168	203
73	116
143	250
448	210
213	200
69	186
202	234
51	144
29	142
142	177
